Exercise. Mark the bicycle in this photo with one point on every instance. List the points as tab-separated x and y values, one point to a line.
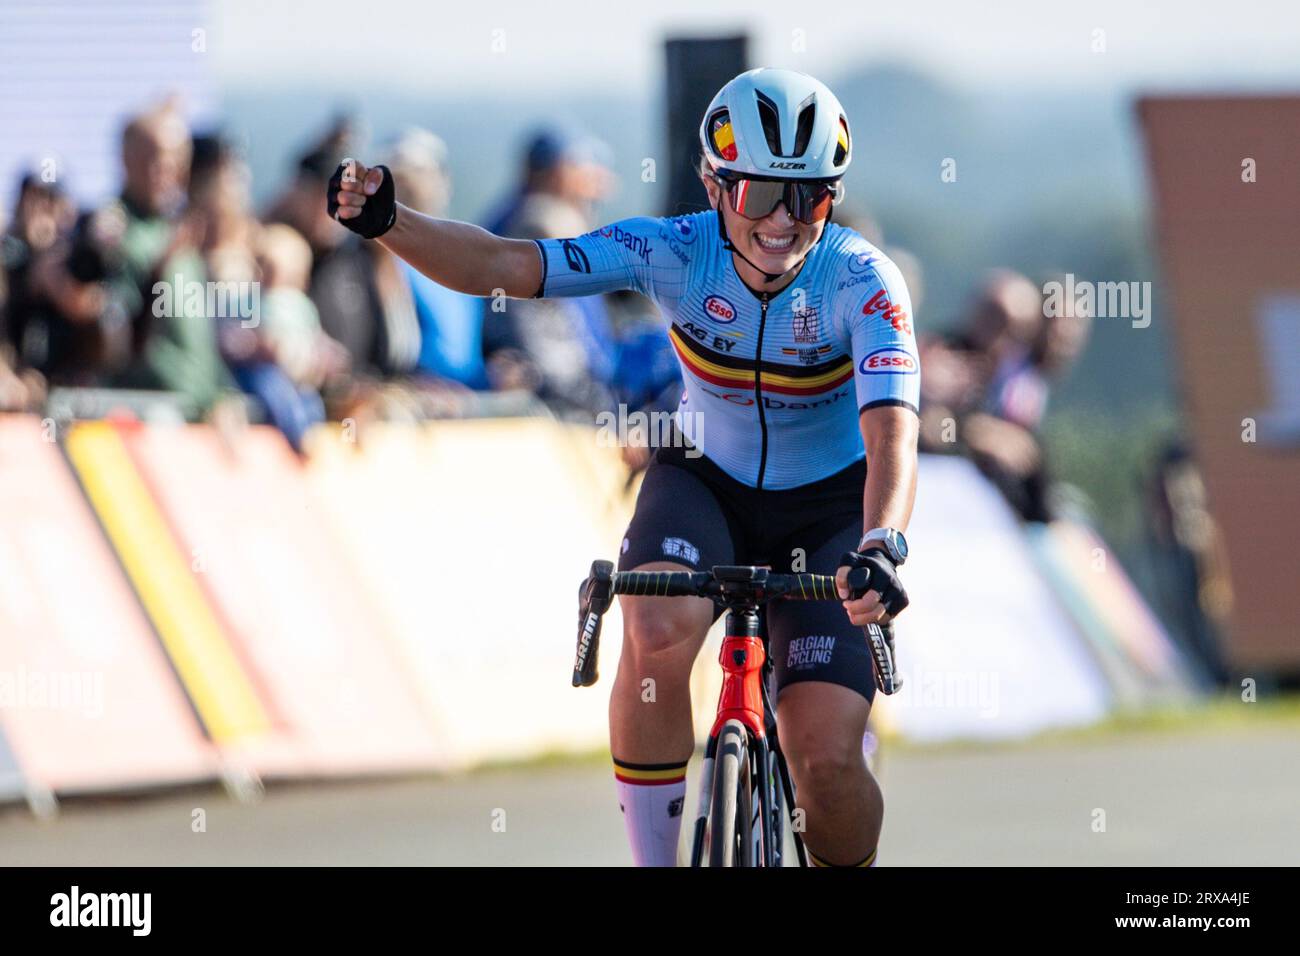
745	786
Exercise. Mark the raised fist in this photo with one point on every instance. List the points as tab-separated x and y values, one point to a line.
362	199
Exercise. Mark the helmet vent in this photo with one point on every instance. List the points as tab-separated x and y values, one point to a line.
771	121
803	131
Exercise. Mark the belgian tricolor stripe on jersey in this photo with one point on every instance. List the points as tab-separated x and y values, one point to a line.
650	774
730	372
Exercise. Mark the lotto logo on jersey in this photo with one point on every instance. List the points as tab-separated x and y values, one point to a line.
888	361
895	315
719	309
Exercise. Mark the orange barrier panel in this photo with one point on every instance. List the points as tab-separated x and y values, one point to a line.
286	593
87	698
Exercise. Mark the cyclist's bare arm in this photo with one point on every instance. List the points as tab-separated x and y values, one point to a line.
457	255
889	434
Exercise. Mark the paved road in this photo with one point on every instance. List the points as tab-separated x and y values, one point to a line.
1226	797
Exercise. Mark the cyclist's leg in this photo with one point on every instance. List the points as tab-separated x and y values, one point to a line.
678	525
826	685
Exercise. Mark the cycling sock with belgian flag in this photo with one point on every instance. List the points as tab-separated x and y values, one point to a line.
651	796
869	861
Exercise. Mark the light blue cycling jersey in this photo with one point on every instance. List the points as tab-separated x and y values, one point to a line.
774	383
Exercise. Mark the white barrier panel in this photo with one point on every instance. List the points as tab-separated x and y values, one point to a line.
985	649
474	536
287	599
88	700
11	779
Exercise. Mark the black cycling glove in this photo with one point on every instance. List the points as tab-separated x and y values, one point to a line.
884	578
377	215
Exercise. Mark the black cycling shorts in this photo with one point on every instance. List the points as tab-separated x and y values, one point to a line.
691	512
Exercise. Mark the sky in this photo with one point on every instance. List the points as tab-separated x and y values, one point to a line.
579	44
69	69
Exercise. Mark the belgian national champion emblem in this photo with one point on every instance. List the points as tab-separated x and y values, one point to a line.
806	326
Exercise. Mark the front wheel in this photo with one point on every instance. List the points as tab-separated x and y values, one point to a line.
729	817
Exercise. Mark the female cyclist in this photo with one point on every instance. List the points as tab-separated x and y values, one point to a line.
797	350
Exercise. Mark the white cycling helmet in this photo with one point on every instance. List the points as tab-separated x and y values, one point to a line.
777	124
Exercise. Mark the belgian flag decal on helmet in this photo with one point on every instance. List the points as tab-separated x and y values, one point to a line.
722	136
842	144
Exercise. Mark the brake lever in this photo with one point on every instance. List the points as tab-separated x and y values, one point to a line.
594	597
880	638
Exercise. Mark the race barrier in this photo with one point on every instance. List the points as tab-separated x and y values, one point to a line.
286	595
474	536
194	636
983	654
11	778
1128	642
403	599
88	700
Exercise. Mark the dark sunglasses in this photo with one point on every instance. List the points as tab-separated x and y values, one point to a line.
807	202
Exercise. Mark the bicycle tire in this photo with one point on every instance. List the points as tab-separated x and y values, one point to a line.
778	816
730	815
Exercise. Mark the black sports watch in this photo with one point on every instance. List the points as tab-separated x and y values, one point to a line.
889	540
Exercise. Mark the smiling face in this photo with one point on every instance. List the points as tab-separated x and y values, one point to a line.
775	244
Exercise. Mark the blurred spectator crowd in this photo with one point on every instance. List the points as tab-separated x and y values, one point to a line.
307	322
296	321
985	387
178	286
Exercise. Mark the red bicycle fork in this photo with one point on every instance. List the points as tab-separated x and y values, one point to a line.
744	658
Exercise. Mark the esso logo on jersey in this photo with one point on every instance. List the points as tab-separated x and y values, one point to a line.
859	261
719	309
889	361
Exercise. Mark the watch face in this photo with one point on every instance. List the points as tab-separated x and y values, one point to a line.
901	543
